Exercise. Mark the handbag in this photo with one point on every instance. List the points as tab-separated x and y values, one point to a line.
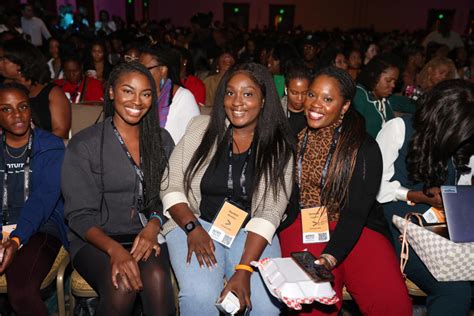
446	260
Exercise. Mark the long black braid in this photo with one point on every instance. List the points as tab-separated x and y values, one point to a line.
155	163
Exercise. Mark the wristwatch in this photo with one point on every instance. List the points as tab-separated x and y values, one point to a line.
189	227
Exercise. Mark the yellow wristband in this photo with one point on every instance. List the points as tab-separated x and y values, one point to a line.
16	240
244	267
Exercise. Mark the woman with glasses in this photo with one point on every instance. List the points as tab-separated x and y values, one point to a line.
176	105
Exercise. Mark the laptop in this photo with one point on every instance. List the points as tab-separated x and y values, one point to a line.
458	203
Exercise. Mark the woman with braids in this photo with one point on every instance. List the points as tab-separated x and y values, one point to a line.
235	164
32	208
111	179
175	106
374	98
420	154
339	167
23	63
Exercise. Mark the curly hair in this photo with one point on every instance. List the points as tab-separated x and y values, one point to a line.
424	80
32	63
274	143
370	74
155	162
336	188
444	129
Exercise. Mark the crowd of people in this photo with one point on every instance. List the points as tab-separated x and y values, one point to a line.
353	126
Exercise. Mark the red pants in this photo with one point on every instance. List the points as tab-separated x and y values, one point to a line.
370	273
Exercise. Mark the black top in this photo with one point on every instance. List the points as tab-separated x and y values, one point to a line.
297	121
15	181
214	183
362	209
40	108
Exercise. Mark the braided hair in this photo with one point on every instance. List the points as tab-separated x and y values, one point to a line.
336	188
155	162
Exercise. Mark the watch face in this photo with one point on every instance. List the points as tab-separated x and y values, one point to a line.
189	226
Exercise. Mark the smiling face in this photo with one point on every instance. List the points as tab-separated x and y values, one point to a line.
296	91
132	97
243	101
324	103
386	84
14	112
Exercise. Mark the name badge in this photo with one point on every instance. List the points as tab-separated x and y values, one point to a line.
7	230
434	215
315	225
227	224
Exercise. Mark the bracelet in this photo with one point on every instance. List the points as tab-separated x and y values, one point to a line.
16	240
330	259
158	217
245	267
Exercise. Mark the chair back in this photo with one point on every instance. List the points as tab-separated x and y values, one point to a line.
85	115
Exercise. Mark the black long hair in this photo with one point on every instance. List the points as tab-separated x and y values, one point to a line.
274	143
155	162
444	128
336	188
33	65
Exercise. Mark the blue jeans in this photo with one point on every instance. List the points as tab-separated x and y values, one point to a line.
200	287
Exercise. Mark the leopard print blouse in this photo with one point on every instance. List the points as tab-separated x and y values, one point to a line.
314	159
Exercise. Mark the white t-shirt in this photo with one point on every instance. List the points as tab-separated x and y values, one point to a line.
36	29
182	109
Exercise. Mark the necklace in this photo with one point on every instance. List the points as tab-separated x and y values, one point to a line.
16	157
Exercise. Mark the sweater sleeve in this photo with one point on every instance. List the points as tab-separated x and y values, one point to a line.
402	104
80	191
44	196
363	189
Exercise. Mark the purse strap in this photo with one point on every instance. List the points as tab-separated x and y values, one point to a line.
404	253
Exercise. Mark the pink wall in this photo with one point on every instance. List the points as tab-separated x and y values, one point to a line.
384	15
313	15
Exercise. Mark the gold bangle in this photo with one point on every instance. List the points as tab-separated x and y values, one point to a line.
244	267
16	240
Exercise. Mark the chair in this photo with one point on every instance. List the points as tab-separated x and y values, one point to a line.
85	115
205	110
48	280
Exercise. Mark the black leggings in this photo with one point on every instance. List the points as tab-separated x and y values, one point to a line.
157	294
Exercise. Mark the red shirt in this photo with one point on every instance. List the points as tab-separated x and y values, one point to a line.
93	91
197	88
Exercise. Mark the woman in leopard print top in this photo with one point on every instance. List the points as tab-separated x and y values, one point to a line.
340	168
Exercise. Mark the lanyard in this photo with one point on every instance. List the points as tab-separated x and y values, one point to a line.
335	139
243	180
26	175
138	170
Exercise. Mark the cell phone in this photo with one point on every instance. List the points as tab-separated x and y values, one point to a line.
318	273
